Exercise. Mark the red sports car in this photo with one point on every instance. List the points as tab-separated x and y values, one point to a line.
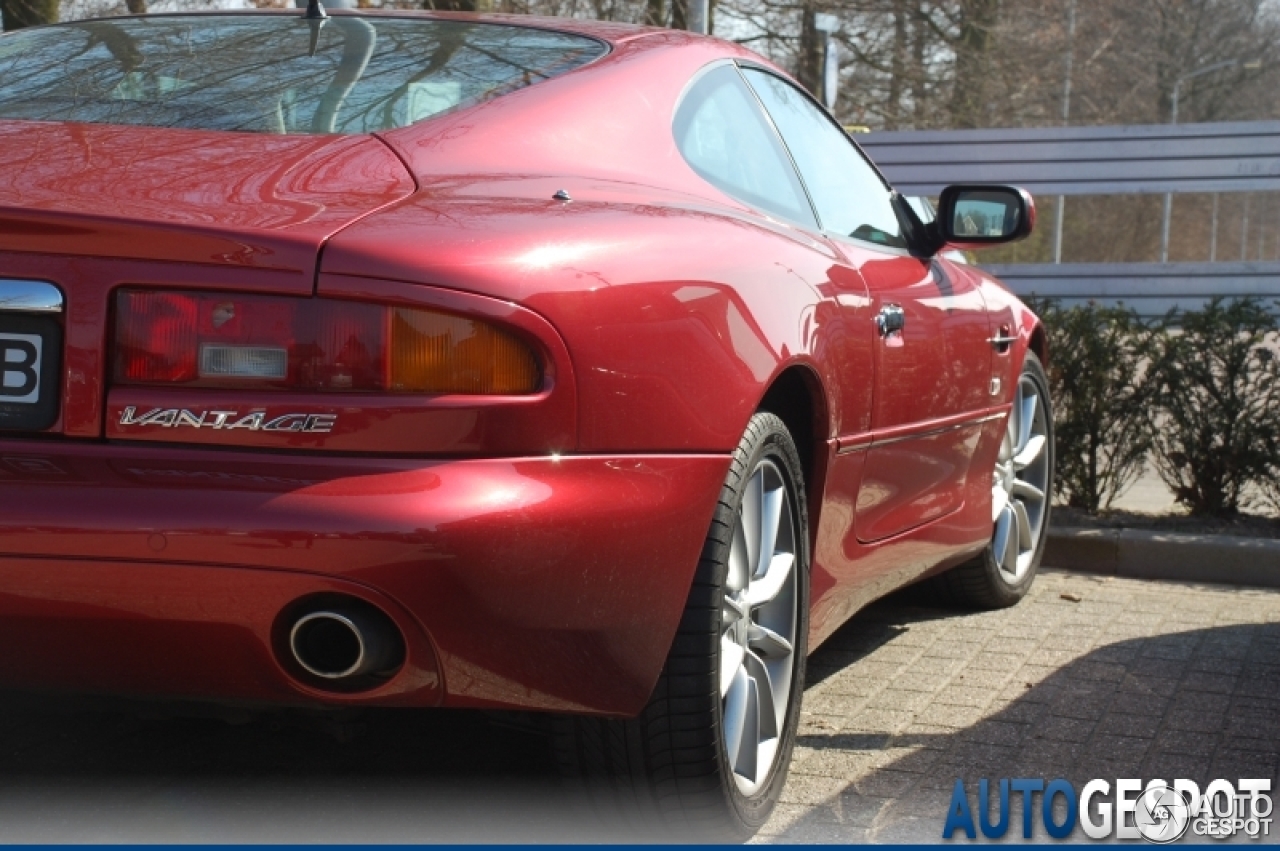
483	361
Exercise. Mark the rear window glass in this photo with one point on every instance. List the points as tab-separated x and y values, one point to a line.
263	74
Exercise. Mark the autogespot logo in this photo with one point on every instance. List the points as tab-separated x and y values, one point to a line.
1159	812
1162	813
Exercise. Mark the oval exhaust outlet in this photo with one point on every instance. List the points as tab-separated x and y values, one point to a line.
338	643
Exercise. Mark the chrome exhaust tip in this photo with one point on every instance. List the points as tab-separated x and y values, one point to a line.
340	643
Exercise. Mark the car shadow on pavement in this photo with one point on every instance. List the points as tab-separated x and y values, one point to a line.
84	769
1198	704
900	702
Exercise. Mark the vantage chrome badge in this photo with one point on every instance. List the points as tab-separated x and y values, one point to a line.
229	420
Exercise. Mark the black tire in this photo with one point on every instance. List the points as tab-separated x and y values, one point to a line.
668	769
980	583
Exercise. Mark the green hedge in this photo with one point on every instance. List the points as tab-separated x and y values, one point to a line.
1196	393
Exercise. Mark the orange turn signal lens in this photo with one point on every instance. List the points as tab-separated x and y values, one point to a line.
440	353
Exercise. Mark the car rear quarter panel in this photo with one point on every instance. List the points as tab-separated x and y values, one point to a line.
678	305
676	316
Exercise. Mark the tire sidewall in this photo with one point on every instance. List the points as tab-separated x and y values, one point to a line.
767	437
1009	593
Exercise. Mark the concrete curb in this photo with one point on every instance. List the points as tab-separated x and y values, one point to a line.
1214	559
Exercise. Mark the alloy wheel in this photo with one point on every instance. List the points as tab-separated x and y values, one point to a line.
1019	501
758	627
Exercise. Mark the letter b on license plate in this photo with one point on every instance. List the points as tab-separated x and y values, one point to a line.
20	368
30	372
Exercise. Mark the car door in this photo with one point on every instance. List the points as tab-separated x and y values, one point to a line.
930	329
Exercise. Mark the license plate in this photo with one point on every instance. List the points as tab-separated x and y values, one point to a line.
30	371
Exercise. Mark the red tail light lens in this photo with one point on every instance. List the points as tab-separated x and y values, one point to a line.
219	340
159	341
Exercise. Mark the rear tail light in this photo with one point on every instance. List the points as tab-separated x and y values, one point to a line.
435	349
220	340
158	342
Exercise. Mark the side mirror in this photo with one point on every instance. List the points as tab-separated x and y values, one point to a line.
972	217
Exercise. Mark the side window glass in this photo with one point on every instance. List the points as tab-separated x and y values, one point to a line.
724	136
850	197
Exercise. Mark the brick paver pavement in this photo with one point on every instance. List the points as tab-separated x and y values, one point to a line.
1089	677
1137	679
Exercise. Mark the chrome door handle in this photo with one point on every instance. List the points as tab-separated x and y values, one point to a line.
1004	338
891	319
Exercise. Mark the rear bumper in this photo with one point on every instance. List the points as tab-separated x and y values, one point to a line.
540	583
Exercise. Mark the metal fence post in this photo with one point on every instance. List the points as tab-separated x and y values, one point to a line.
1066	115
699	13
1244	230
1213	233
827	24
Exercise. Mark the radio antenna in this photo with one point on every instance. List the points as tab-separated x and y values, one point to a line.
316	18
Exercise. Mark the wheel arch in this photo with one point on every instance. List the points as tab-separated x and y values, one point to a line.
797	397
